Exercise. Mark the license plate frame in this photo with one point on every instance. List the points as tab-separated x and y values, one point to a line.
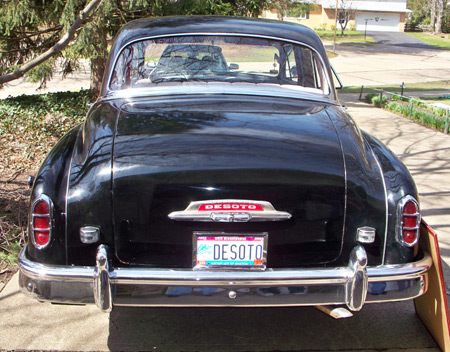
221	238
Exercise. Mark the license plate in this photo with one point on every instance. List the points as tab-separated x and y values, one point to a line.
230	251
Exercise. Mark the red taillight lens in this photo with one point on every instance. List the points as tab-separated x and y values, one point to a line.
42	208
41	221
410	208
409	221
41	238
409	236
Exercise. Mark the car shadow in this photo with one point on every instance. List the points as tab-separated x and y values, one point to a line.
377	326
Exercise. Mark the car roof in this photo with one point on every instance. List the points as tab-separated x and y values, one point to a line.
156	26
212	25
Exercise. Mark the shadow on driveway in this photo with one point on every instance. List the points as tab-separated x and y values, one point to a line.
390	326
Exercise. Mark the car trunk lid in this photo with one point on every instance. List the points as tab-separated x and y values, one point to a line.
168	155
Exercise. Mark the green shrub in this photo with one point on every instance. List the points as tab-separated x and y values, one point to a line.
429	118
47	114
424	117
374	98
400	98
435	110
398	108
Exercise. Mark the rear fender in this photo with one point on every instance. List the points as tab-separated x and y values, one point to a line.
399	183
89	189
51	180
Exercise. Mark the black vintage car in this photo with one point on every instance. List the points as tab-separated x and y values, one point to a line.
218	168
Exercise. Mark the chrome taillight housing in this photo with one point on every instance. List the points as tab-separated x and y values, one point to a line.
41	221
408	221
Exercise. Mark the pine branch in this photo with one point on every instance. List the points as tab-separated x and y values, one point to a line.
60	45
28	35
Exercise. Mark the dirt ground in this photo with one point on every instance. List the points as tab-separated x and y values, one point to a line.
15	168
14	194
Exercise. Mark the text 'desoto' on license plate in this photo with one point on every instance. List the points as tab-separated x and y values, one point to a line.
231	251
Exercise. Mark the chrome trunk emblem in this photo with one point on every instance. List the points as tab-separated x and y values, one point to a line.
230	210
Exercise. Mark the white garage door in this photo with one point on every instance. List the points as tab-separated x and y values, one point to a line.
377	21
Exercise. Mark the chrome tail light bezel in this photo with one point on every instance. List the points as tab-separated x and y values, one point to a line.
400	223
33	215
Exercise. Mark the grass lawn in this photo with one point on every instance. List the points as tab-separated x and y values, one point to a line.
348	37
331	55
443	43
410	87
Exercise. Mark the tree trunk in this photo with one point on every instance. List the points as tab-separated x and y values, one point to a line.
433	15
344	17
98	67
98	62
440	15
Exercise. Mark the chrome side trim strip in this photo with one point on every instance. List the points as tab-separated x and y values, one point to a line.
386	205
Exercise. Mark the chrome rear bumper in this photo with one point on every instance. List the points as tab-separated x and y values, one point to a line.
352	285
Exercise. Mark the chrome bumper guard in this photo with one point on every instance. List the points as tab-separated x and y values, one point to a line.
352	285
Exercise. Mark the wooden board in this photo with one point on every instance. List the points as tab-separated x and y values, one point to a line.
432	307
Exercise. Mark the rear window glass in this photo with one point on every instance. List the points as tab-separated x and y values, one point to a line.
227	59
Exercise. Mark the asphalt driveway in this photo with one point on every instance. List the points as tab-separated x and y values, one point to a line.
400	39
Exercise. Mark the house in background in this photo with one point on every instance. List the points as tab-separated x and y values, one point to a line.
370	15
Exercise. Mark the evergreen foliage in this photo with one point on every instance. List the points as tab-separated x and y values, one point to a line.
30	27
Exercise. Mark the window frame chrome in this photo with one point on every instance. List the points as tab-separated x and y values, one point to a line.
109	90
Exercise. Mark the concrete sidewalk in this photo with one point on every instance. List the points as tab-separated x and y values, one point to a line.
29	325
381	64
